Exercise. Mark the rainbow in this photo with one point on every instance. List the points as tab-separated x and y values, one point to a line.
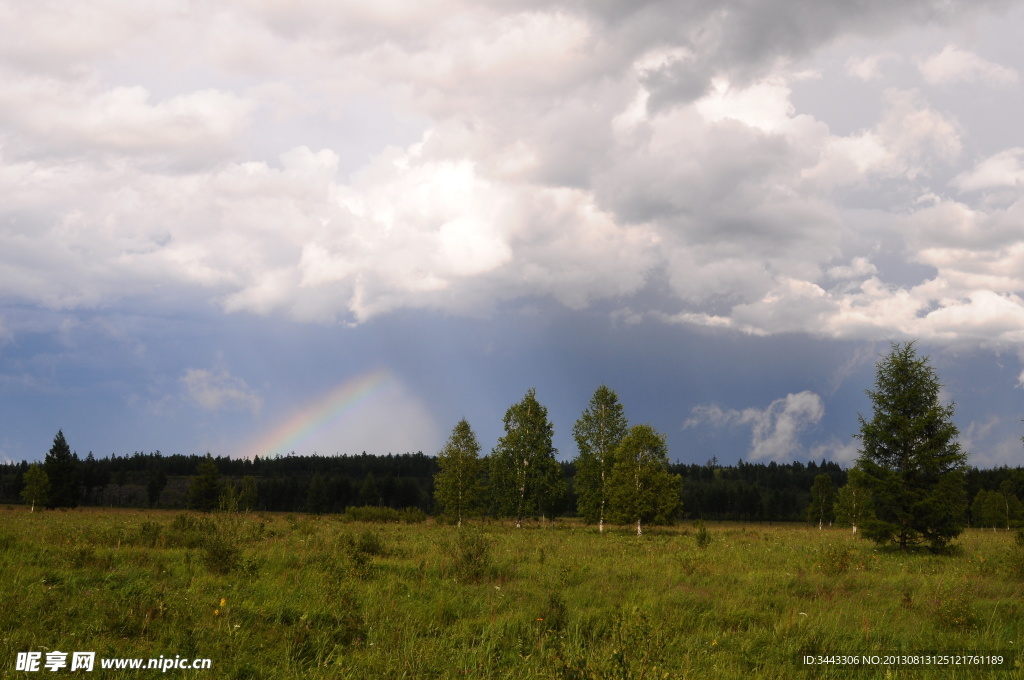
320	414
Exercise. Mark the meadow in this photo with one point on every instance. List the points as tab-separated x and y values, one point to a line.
287	596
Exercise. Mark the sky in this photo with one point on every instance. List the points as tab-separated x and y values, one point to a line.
324	226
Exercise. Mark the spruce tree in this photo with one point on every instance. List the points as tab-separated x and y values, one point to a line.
457	485
205	487
61	468
911	457
598	433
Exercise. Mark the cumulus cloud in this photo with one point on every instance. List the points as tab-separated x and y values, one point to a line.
1003	169
870	67
955	65
566	151
775	430
215	391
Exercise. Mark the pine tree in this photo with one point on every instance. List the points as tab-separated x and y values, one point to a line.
910	455
155	485
37	486
457	486
205	487
247	498
641	489
62	470
598	433
317	499
525	476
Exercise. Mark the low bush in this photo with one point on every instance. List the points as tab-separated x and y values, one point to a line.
369	513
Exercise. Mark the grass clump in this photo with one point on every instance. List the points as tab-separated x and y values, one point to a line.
471	555
703	536
834	560
370	513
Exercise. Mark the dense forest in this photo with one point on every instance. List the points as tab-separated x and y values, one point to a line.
754	492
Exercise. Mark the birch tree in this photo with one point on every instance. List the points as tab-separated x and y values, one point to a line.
457	486
853	502
641	489
823	498
524	471
37	486
598	433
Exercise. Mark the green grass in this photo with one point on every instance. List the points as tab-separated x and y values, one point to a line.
276	596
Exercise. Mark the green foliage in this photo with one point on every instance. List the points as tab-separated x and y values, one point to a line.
853	504
247	497
834	560
458	489
641	488
823	498
703	536
598	433
361	550
155	486
471	555
910	455
598	607
205	487
525	478
221	554
317	500
997	509
37	486
953	607
383	515
61	468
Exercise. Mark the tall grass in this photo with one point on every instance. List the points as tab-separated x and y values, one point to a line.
276	596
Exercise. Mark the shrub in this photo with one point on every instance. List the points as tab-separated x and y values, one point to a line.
471	555
220	554
149	534
953	608
834	560
362	550
369	513
703	536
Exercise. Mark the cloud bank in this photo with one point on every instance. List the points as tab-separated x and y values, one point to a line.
564	150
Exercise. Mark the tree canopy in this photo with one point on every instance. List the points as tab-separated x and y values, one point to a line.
457	485
525	477
598	433
61	468
910	455
641	487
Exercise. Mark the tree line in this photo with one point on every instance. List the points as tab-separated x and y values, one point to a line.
910	485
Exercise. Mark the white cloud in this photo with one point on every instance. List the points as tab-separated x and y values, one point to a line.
215	391
775	429
955	65
1003	169
870	67
57	118
837	451
561	155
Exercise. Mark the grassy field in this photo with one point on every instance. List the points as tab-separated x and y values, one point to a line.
283	596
